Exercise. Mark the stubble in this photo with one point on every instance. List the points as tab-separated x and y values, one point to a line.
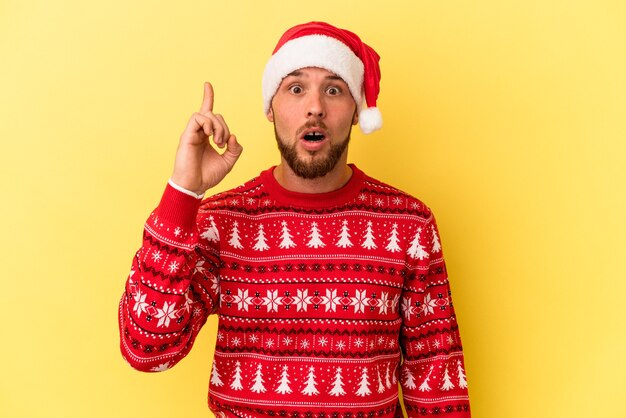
313	167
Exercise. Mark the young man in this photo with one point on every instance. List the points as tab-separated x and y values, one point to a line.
330	286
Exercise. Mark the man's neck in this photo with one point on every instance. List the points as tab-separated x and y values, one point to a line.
335	179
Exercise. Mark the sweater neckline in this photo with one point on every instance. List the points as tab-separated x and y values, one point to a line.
344	194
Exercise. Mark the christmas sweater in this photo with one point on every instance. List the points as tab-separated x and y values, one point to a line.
327	303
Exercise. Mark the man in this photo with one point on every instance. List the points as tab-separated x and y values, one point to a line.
330	286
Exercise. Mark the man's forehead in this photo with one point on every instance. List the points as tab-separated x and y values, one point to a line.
306	72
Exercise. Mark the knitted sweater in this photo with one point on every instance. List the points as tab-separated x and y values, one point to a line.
326	302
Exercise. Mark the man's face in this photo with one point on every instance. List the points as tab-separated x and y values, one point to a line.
313	113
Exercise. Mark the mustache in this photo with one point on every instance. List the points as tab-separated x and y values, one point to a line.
312	124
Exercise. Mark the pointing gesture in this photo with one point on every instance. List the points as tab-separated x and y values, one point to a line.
199	166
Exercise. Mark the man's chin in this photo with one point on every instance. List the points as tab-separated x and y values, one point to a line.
309	164
311	170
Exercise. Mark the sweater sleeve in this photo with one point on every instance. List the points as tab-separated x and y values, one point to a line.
171	289
433	375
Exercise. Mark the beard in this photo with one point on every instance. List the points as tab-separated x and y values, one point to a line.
317	165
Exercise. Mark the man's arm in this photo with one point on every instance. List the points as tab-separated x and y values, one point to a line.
173	284
433	371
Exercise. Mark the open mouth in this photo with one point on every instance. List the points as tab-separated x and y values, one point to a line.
314	137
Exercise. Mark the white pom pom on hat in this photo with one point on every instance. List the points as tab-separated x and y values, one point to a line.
318	44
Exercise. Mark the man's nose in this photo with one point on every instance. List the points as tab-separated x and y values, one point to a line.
315	105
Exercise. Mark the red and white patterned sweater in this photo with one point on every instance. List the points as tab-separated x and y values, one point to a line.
326	302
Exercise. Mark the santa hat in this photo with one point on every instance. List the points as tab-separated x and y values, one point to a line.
318	44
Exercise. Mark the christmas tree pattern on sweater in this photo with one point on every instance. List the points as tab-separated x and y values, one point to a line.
325	306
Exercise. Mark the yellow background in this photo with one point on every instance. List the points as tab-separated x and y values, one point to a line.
506	117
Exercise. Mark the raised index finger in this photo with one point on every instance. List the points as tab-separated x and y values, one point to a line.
207	100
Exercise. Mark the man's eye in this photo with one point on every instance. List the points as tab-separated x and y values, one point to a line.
333	91
295	89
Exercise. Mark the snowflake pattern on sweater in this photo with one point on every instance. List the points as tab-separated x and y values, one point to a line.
327	303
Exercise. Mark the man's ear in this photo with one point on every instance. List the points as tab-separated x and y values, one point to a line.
270	115
355	118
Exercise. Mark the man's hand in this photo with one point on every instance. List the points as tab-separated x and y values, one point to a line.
198	166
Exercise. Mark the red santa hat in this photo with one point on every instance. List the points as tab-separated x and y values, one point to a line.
318	44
